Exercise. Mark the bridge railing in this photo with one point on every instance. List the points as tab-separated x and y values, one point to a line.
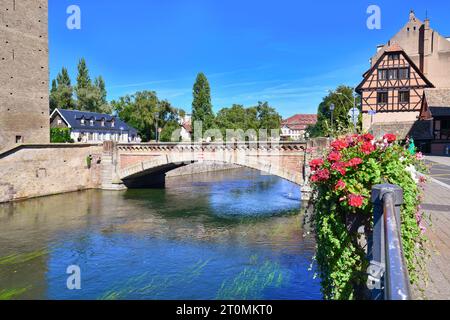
388	277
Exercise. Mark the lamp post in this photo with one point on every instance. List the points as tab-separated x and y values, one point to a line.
332	107
354	99
156	126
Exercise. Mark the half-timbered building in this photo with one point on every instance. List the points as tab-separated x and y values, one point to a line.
392	92
414	60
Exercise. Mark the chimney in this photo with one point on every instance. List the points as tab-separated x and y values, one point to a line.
412	16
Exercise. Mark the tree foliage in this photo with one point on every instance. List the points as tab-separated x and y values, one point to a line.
145	112
237	117
90	96
201	104
61	93
342	98
60	135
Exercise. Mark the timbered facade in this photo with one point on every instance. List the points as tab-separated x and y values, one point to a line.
392	91
393	84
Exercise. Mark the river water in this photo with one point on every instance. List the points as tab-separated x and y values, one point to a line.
230	235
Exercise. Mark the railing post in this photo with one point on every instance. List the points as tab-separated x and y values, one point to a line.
387	274
376	245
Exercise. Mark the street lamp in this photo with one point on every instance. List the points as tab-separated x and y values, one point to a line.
332	107
354	101
156	126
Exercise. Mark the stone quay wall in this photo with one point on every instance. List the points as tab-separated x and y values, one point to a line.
30	171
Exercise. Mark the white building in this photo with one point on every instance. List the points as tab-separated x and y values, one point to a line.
91	127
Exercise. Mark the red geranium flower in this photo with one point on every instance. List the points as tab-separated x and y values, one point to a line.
367	147
340	167
316	164
334	156
390	137
354	162
339	145
367	137
321	175
340	185
355	200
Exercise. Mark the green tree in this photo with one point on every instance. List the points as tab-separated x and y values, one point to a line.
61	93
90	96
145	112
342	98
254	118
268	117
53	96
98	92
201	104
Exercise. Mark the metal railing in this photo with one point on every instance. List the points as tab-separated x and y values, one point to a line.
388	277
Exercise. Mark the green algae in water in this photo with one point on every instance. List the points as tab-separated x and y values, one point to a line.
10	294
156	284
252	281
22	257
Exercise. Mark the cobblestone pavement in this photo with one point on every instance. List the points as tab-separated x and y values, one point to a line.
437	205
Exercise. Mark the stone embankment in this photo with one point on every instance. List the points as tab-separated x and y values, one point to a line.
39	170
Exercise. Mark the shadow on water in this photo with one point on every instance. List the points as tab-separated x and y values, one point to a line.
230	235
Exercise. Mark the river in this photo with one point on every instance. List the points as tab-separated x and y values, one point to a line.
236	234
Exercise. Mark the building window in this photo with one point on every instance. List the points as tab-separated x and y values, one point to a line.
382	97
403	73
393	74
394	57
19	139
382	74
403	96
59	122
445	129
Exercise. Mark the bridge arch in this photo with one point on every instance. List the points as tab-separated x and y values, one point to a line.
152	172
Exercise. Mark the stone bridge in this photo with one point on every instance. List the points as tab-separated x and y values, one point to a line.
145	165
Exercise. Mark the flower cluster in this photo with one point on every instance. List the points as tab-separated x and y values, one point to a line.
337	166
343	179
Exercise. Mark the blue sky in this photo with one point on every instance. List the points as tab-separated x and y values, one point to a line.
287	52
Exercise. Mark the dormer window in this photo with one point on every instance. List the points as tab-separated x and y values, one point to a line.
91	122
83	122
103	122
112	123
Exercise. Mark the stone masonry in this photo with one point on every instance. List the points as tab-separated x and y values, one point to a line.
24	74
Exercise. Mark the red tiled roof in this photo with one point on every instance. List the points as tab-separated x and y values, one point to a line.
187	126
300	121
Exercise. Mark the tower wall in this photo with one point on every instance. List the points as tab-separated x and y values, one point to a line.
24	72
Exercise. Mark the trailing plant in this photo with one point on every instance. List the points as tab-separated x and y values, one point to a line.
89	161
343	181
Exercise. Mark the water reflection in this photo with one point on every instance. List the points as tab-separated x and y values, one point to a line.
233	235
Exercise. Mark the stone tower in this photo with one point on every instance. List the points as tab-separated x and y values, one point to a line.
24	73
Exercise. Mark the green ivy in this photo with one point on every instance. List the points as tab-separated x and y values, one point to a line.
341	260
